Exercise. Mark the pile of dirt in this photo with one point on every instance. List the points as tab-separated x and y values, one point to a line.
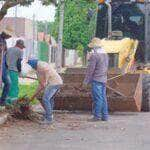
22	109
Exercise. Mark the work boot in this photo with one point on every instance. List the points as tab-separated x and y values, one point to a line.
46	122
105	118
2	103
44	116
94	119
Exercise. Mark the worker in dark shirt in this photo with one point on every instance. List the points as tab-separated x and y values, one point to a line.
6	33
13	58
96	76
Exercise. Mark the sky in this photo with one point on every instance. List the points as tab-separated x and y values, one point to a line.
42	13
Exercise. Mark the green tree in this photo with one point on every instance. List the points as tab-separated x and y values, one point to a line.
78	28
46	27
11	3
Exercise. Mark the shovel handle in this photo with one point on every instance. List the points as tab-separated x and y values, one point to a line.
31	78
42	88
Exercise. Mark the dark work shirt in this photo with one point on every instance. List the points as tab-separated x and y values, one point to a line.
3	43
97	68
4	65
3	47
13	59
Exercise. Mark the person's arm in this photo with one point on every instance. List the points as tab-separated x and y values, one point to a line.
3	45
41	78
90	70
19	65
20	57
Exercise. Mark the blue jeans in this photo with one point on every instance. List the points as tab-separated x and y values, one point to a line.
48	100
6	87
100	106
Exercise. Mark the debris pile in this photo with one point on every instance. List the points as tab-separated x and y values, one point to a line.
22	109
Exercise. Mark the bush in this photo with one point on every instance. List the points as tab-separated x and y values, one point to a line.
28	90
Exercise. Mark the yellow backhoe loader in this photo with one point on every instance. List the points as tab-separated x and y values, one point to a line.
124	27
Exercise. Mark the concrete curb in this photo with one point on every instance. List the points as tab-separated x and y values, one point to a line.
3	118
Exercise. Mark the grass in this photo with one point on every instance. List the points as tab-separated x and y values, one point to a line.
28	90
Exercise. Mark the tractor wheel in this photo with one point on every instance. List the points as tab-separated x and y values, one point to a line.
146	93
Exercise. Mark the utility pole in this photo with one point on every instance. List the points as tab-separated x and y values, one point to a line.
46	27
109	17
33	36
147	31
15	20
60	36
49	46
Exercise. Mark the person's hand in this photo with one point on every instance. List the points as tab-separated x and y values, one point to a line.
84	85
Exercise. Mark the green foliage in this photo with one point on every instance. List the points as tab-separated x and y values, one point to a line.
28	90
24	2
80	50
78	30
47	2
46	27
41	26
28	2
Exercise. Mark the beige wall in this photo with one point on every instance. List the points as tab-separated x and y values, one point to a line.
24	27
28	29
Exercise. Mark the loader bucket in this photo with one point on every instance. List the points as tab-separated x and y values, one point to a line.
129	93
124	93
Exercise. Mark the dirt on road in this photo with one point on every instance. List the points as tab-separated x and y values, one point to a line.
72	131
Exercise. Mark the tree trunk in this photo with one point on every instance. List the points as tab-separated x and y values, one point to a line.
60	38
9	4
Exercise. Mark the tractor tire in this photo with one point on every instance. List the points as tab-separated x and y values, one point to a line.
146	93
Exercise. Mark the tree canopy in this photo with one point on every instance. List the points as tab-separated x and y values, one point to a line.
79	20
79	24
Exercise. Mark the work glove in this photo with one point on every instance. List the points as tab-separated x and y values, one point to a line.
84	85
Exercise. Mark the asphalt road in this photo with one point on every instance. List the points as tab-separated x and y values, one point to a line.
124	131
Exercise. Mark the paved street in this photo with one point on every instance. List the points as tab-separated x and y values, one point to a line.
125	131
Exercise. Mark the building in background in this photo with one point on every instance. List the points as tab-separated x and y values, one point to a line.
25	29
70	57
47	47
38	45
53	48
